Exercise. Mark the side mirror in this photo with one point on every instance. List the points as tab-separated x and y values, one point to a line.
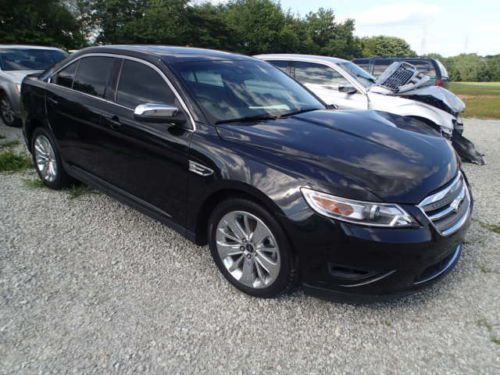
152	112
349	90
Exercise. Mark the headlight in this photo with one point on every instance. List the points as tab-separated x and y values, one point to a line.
363	213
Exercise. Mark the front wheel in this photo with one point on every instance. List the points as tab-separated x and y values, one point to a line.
250	249
47	159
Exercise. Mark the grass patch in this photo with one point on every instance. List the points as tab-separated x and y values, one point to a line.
34	184
494	338
9	144
491	227
13	162
76	191
482	99
2	136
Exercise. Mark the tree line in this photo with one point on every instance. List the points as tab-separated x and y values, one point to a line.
243	26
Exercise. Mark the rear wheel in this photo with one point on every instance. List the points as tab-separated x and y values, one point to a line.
250	249
7	112
47	159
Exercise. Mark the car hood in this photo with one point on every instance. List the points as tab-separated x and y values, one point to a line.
403	79
17	76
360	155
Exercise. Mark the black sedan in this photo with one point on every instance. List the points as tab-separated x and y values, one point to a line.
232	152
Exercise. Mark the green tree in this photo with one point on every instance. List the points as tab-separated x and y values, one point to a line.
48	22
385	46
331	38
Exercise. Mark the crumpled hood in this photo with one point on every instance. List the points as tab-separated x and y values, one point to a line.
445	96
403	79
349	153
17	76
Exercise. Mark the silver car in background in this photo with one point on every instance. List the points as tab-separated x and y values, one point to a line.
401	91
16	62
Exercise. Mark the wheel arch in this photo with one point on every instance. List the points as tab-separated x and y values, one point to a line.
241	191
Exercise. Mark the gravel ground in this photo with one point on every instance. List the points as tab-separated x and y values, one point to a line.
90	285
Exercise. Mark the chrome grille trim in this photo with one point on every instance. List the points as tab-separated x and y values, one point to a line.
449	208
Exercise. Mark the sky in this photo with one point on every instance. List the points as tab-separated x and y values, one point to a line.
443	26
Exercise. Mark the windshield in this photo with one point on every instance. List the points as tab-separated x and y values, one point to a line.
362	76
244	90
29	59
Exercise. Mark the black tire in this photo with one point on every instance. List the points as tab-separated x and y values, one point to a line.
10	121
61	179
287	277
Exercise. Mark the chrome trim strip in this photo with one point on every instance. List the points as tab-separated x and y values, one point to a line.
450	263
366	282
170	85
441	194
460	223
450	209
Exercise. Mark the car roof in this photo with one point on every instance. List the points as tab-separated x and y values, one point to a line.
294	56
395	58
166	53
21	46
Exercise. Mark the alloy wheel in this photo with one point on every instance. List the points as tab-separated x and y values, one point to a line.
248	249
45	158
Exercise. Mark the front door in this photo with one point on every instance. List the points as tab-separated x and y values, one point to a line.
147	160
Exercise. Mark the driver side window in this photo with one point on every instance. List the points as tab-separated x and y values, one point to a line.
140	84
320	75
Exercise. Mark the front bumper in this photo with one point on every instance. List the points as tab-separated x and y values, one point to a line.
360	264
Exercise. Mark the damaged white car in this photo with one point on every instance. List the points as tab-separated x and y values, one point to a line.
401	91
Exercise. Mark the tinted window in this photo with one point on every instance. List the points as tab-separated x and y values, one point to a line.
317	74
29	59
379	66
140	84
283	65
424	67
242	89
66	76
93	74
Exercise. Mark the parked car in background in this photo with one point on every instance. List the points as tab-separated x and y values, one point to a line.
16	62
401	91
430	67
232	152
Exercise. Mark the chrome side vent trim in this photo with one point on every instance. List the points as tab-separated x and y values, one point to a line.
200	169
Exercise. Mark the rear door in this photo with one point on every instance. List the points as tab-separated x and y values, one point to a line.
146	160
75	104
325	81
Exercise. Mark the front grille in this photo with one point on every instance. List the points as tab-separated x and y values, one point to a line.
449	208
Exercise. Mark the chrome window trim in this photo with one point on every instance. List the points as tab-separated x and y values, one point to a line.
362	90
118	56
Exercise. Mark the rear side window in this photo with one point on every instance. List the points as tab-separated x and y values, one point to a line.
66	76
317	74
380	65
93	74
140	84
424	67
282	65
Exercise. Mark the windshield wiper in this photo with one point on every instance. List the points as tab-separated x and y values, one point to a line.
247	119
299	111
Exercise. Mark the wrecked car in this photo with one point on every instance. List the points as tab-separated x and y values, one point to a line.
401	91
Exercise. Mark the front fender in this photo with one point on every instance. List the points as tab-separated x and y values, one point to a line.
412	108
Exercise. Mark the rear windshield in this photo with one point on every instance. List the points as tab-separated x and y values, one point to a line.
29	59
